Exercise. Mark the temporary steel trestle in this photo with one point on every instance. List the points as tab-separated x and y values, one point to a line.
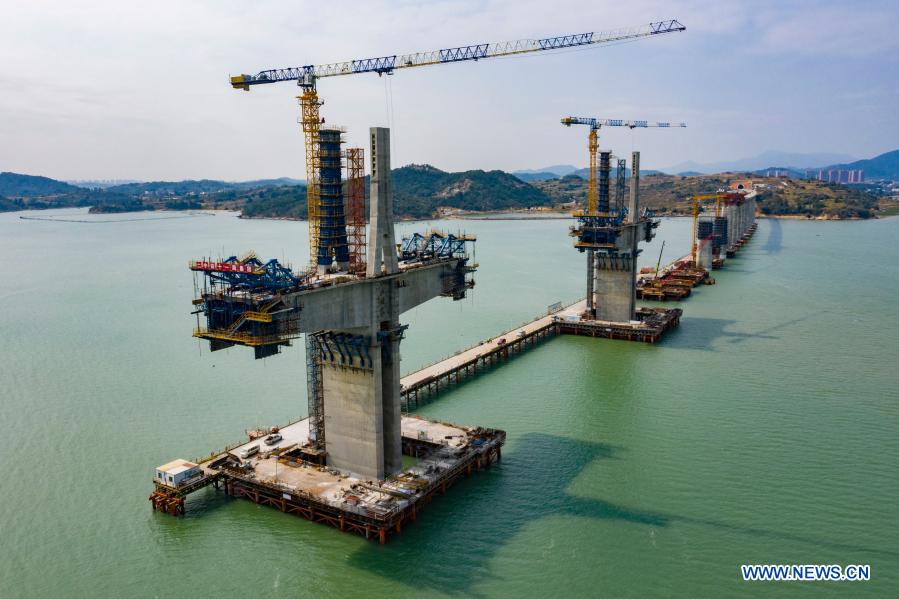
655	322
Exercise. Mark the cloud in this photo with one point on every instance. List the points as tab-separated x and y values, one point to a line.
140	90
845	29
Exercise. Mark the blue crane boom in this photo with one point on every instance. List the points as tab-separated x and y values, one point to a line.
306	75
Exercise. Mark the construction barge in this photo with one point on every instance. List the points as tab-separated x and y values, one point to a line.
676	281
649	326
289	474
673	283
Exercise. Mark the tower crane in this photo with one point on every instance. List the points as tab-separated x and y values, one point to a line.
593	207
306	77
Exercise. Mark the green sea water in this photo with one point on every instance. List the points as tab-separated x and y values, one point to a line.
764	430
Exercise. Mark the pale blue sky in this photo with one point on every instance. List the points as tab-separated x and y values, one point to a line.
140	89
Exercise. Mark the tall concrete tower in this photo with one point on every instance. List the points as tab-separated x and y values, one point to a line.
362	395
381	241
611	239
352	328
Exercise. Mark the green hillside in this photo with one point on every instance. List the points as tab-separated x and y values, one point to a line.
287	201
669	194
170	188
14	185
420	189
7	205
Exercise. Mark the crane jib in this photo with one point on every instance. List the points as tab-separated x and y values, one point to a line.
666	26
566	41
306	75
464	53
384	64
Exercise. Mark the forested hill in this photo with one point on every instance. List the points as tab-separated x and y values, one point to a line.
14	185
420	189
669	194
423	191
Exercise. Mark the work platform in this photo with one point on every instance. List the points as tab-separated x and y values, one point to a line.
286	475
675	281
650	325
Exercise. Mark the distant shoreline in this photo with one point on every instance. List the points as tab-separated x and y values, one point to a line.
472	215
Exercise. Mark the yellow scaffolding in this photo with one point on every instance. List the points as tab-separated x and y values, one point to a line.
311	123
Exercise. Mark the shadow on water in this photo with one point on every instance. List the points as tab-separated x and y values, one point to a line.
702	333
748	271
766	333
449	549
461	531
775	237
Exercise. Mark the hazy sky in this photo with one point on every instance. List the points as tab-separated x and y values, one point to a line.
140	90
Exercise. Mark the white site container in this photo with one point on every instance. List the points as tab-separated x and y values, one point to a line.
176	472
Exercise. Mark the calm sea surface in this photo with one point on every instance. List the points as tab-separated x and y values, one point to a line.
764	430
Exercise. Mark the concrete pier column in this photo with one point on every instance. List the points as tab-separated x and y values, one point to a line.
615	286
731	213
391	416
590	276
353	412
615	272
634	200
743	207
361	380
381	240
705	254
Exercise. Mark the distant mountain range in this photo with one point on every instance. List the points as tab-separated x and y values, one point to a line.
884	166
764	160
100	183
559	170
546	173
584	173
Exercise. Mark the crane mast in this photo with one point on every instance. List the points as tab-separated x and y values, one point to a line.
306	77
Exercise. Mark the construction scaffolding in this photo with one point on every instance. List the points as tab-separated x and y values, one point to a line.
620	185
332	235
239	297
315	392
355	209
311	123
